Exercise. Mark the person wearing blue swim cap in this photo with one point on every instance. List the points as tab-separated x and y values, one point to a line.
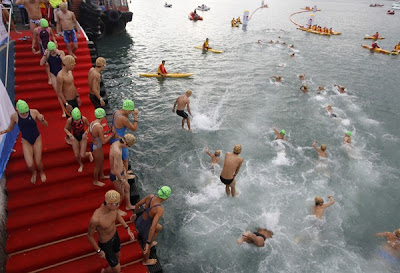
280	135
147	224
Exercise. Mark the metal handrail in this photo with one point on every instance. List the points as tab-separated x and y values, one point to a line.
8	43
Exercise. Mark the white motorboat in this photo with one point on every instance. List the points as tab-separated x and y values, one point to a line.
203	8
396	5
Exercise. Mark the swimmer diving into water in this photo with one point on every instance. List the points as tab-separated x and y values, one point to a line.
257	238
280	135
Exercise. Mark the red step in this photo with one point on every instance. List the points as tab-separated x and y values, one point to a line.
36	61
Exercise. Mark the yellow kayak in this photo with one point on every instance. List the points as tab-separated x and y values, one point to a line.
314	31
377	50
169	75
373	38
394	52
210	50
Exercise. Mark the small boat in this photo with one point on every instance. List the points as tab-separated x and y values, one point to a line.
396	5
209	50
390	12
169	75
203	8
195	17
167	5
377	50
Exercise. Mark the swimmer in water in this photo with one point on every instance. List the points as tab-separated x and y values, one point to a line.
342	89
232	164
291	46
259	41
280	135
321	151
271	42
257	238
302	77
320	89
391	250
329	110
319	208
277	78
304	88
292	54
215	159
347	137
284	43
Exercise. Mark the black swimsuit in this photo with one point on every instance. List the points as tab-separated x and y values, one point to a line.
259	234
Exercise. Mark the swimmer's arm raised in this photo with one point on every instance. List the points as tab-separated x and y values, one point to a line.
383	234
132	126
276	132
208	152
331	202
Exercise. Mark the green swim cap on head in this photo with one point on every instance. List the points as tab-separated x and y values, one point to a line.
164	192
76	113
99	113
44	23
22	106
348	133
283	132
51	46
128	105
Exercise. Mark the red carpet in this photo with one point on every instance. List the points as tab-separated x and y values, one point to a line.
47	222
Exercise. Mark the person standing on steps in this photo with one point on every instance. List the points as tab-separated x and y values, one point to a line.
31	138
232	164
54	58
120	123
66	89
147	224
96	147
42	36
103	221
94	83
118	171
78	136
33	9
183	101
65	22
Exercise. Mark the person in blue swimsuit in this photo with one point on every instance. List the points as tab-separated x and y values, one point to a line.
120	123
31	139
391	251
53	58
96	147
147	224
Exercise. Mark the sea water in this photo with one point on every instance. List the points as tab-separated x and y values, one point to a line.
234	101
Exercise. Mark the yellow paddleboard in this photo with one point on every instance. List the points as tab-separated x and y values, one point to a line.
377	50
373	38
210	50
169	75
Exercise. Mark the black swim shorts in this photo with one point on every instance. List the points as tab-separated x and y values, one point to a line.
226	181
182	114
73	103
95	101
110	248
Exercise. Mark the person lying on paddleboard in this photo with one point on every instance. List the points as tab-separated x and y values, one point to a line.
161	69
205	45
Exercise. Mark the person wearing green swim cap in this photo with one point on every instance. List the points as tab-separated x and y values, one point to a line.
96	146
280	135
26	118
347	137
121	122
52	58
78	136
147	224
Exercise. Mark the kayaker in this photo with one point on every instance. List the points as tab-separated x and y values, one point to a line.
161	69
397	47
330	31
233	22
376	35
374	46
205	45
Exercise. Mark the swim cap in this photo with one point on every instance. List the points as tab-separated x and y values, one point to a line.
22	106
217	153
130	139
237	149
51	46
348	133
112	196
128	105
76	113
69	60
397	232
99	113
323	147
100	61
318	200
44	23
189	92
164	192
283	132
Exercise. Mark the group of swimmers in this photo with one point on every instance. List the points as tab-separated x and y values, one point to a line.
235	22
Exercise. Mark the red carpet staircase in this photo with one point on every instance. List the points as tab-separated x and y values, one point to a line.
47	222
